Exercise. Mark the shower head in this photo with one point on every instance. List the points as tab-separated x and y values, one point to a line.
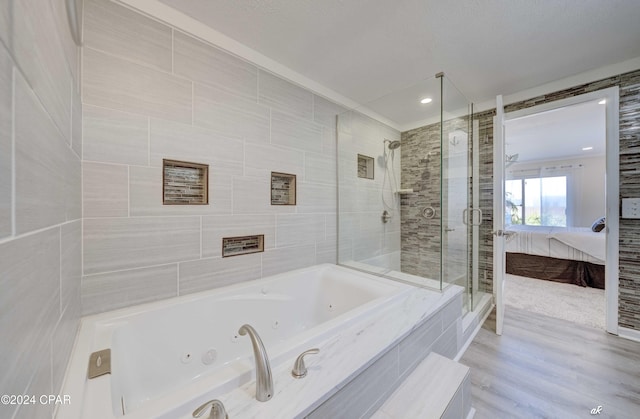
393	144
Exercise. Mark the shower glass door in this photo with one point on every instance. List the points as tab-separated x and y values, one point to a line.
458	214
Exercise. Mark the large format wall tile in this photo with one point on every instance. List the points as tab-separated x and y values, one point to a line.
230	115
6	22
70	264
285	96
290	131
120	84
326	112
114	290
105	190
29	306
113	28
298	229
76	123
320	168
253	196
317	198
260	160
112	244
38	52
70	49
204	274
215	228
6	70
43	161
206	64
175	141
115	137
285	259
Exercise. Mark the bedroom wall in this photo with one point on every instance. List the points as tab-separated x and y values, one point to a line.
629	277
586	189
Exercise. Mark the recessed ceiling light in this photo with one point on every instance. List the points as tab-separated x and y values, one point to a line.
602	102
587	148
426	100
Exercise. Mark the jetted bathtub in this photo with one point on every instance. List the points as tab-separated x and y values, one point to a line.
169	357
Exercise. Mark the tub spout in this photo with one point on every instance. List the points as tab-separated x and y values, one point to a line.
264	379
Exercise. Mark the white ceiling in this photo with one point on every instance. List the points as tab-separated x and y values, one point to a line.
366	49
558	134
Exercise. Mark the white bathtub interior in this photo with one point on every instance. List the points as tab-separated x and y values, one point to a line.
165	348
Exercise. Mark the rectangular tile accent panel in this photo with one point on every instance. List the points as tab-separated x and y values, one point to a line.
234	246
185	183
365	167
112	244
283	189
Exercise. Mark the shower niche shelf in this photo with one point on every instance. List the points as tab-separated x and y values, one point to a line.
235	246
283	189
365	167
184	183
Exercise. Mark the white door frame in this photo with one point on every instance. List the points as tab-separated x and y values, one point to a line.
611	95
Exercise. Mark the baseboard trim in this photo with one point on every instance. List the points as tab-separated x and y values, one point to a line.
630	334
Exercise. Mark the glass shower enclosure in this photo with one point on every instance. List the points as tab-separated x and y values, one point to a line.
407	188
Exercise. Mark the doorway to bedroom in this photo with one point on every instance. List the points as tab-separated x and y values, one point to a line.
555	178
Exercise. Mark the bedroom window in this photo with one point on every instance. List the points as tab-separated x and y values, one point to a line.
537	201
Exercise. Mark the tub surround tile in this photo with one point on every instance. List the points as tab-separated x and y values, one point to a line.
176	141
316	198
37	49
62	342
299	229
117	30
112	244
326	251
115	83
205	274
76	123
6	69
110	291
105	190
29	306
329	141
288	258
73	186
260	160
419	344
70	49
40	384
112	136
280	94
294	132
5	21
253	196
71	265
230	115
206	64
326	112
215	228
44	166
320	168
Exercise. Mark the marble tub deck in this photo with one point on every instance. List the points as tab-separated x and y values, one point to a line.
345	356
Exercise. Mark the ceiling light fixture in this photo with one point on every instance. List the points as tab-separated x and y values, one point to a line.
587	148
426	100
602	102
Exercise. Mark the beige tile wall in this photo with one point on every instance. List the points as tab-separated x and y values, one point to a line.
168	95
40	204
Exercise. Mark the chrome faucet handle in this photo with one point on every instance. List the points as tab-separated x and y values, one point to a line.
217	410
299	369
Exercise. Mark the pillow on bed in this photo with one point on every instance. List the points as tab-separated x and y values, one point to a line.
598	225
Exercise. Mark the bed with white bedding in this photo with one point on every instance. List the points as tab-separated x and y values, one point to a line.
564	254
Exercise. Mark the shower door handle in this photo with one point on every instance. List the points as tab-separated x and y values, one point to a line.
465	216
479	216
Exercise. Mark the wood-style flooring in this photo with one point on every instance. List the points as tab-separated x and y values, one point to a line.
543	367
